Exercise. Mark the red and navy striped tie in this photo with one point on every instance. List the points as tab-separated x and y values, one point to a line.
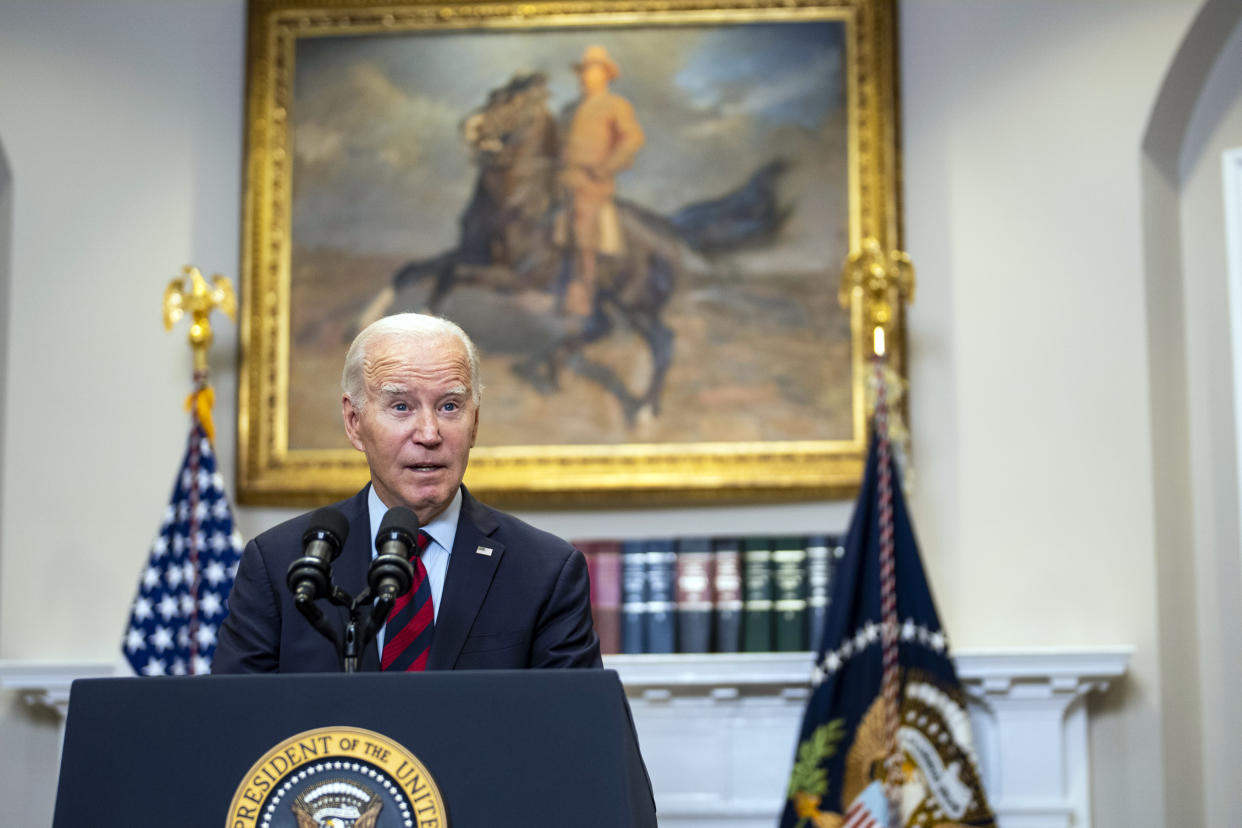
407	637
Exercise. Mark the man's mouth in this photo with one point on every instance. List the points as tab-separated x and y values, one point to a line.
425	468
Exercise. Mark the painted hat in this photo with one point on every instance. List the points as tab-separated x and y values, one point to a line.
598	54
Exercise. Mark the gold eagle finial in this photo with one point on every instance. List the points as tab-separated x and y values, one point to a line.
884	281
190	293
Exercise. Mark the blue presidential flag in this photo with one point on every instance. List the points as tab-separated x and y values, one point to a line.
182	592
886	739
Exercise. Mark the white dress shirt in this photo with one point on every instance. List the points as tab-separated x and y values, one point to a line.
443	531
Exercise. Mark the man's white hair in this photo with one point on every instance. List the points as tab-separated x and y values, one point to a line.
407	327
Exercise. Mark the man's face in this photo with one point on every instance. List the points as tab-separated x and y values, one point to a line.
594	77
419	422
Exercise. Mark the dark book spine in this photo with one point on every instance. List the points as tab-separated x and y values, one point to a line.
757	595
727	583
633	597
606	595
694	595
789	576
661	603
818	578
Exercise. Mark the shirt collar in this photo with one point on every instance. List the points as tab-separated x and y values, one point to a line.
443	529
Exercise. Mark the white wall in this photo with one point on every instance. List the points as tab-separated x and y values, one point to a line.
1022	123
1031	394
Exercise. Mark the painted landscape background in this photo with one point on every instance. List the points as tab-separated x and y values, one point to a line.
382	175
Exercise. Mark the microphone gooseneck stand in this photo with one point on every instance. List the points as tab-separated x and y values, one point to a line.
349	649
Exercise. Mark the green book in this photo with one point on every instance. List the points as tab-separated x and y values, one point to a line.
757	595
789	575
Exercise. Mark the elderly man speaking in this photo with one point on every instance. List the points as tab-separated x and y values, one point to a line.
502	593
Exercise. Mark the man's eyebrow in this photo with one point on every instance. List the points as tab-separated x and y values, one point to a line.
458	389
392	388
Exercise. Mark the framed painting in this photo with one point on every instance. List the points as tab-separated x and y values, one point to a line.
638	210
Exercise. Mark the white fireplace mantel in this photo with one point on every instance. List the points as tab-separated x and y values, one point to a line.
718	731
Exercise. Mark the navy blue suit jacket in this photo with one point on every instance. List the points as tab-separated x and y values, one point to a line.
525	605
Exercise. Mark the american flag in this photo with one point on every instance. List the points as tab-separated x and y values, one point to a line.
870	810
182	593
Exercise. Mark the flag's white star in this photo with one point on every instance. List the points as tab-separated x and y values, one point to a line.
833	662
187	572
161	639
206	635
173	575
183	637
236	540
200	511
154	667
217	483
908	631
170	514
210	604
219	542
134	640
214	573
204	447
150	577
187	604
202	665
937	641
167	607
178	667
178	544
186	479
142	609
204	480
220	509
159	547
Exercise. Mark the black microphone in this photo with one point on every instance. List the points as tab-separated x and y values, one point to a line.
310	576
391	572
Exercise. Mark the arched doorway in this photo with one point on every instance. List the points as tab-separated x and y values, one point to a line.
1194	439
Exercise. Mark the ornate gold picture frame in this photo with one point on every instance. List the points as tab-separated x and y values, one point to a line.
417	156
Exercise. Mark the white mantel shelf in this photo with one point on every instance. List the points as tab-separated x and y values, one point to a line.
718	731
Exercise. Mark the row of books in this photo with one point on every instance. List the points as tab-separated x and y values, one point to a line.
711	594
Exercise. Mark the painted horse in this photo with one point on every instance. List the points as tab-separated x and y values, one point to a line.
508	243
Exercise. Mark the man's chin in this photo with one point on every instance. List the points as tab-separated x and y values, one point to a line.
428	502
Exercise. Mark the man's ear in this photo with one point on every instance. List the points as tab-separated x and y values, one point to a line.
352	422
474	430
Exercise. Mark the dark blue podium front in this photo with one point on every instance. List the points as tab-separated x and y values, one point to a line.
512	748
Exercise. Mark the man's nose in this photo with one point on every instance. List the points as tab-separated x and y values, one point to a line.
426	428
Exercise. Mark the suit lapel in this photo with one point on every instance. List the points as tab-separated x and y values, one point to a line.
466	584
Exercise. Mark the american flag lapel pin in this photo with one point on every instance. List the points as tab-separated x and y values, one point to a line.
483	550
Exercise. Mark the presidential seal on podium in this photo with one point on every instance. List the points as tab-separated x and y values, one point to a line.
338	777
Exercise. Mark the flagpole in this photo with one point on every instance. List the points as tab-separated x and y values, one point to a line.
890	684
882	282
191	293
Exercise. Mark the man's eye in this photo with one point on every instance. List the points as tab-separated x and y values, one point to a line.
400	407
450	406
